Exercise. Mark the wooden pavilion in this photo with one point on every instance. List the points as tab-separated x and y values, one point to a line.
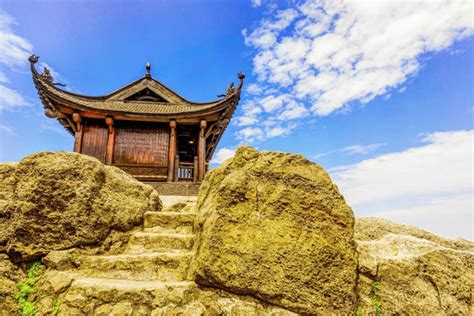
144	128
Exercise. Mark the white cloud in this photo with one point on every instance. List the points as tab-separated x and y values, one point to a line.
7	130
325	55
14	52
10	99
250	134
361	149
253	88
3	78
256	3
352	150
267	129
223	154
429	186
14	49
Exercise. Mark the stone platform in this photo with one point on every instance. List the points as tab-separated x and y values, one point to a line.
175	188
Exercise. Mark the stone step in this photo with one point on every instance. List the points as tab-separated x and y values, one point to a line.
163	266
100	296
169	221
142	242
178	203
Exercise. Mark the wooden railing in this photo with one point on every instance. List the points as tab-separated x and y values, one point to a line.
186	171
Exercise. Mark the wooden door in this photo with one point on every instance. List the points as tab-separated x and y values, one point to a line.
142	149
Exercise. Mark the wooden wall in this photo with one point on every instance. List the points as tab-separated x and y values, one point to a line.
142	148
94	139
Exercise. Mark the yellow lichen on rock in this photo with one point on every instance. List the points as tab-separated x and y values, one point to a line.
274	226
52	201
418	273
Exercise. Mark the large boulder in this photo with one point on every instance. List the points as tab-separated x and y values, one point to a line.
274	226
407	271
53	201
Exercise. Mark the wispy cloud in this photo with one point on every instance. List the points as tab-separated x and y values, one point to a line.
429	186
14	51
361	149
10	99
7	130
320	56
353	150
223	154
3	78
256	3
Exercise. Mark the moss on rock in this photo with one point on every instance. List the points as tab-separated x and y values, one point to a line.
274	226
52	201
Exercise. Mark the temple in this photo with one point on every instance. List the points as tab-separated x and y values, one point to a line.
144	128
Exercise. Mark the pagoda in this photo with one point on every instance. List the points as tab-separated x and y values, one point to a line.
144	128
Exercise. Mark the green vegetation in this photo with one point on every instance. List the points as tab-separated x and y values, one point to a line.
375	299
35	273
56	306
73	259
358	311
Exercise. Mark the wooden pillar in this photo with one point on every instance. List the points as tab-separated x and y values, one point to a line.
195	175
109	151
202	151
76	117
172	152
176	170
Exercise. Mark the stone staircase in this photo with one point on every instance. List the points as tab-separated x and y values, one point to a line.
149	277
150	274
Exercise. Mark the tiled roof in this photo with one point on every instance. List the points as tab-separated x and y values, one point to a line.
119	100
135	107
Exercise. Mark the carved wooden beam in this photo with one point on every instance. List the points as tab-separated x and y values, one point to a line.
202	150
109	151
76	117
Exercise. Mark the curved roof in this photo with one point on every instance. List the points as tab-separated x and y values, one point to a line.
170	104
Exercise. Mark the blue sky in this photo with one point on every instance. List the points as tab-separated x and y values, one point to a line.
380	94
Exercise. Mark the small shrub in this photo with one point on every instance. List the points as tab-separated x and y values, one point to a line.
56	306
34	273
375	299
28	308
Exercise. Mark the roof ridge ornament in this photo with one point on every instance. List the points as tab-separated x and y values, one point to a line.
231	89
148	68
46	75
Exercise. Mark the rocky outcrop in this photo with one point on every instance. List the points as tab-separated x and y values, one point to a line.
150	277
10	275
274	226
407	271
53	201
268	229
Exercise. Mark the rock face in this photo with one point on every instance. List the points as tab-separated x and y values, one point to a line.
274	226
53	201
150	277
416	273
10	274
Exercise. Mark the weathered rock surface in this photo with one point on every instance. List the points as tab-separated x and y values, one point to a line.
150	277
268	229
418	273
274	226
10	275
53	201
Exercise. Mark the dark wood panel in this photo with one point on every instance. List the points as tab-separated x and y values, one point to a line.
142	144
94	139
158	172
